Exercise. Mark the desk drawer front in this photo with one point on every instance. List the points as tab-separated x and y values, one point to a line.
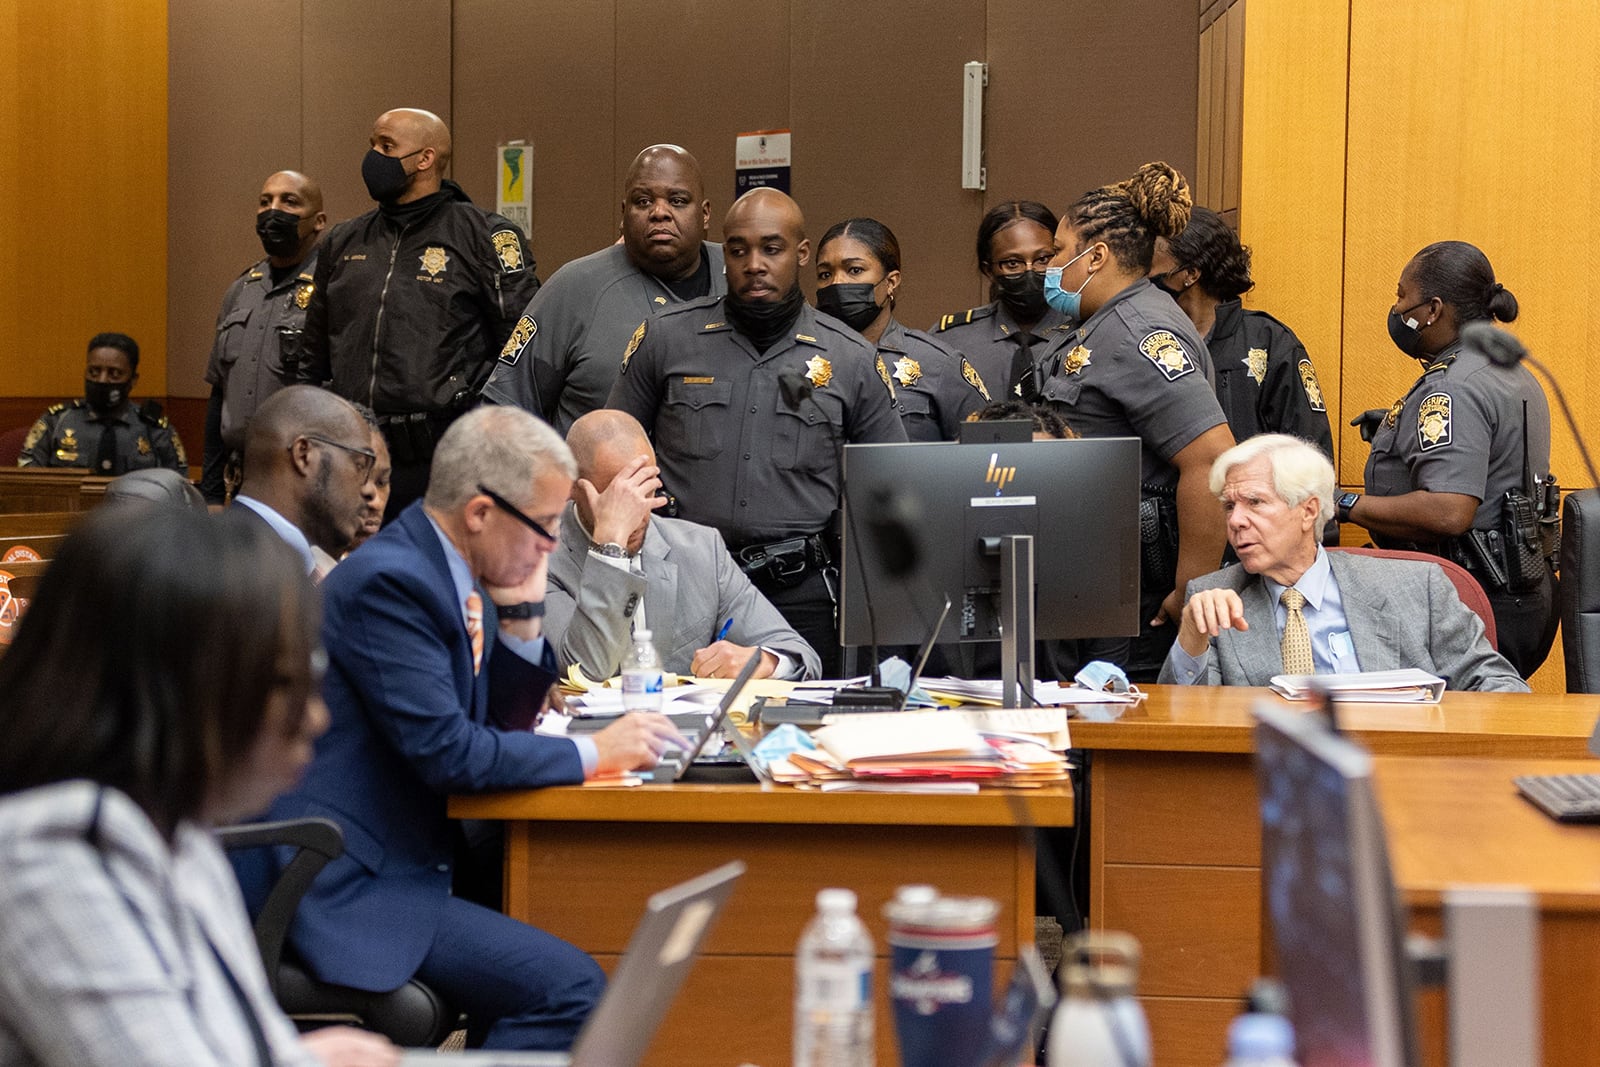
1176	807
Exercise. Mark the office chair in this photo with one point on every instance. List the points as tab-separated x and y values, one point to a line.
1467	587
413	1016
1580	590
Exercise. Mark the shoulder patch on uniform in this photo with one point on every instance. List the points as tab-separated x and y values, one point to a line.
1164	350
508	249
633	344
1255	364
970	373
962	318
1308	379
1433	422
521	334
36	431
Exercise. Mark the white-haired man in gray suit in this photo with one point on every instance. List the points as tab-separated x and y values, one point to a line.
1289	607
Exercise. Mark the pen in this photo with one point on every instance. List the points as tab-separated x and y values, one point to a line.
722	633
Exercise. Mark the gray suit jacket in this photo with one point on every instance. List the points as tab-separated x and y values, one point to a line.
1402	613
690	586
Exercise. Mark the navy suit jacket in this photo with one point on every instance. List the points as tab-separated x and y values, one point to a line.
410	725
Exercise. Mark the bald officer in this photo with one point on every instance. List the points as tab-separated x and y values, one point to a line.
258	329
707	381
561	359
414	300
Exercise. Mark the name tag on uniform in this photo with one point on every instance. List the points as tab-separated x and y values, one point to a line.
697	381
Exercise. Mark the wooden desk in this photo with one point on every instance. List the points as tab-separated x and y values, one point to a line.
1461	822
580	863
50	489
1175	836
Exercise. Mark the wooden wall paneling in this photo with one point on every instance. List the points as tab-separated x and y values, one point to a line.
1292	179
233	118
86	212
1232	106
1081	93
546	71
13	298
1503	181
1200	180
1217	89
726	69
359	59
883	140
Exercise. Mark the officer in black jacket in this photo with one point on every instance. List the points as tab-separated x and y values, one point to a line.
413	301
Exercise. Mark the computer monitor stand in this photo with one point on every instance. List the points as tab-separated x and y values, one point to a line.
1016	621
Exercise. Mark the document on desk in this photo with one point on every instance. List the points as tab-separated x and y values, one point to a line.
1409	686
930	745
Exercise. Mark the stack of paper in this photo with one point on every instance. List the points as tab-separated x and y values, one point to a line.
1049	694
922	746
1410	686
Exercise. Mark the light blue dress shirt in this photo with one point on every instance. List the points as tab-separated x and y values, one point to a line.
532	651
1332	651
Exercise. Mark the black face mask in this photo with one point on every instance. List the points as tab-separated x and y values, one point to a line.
1160	282
1406	337
279	232
103	397
1022	293
385	176
852	303
762	322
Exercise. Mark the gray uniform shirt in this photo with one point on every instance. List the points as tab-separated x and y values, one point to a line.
937	386
729	447
990	337
1459	430
1136	368
258	323
563	355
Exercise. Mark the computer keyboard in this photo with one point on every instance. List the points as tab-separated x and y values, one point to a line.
1563	797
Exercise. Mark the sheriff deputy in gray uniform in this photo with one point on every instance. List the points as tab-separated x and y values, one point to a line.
561	359
707	380
104	431
259	326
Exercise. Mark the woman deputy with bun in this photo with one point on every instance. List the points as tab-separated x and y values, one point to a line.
1135	367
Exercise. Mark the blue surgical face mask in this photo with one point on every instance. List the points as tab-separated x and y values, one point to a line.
1069	304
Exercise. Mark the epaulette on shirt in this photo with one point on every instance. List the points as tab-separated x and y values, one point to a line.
962	318
55	409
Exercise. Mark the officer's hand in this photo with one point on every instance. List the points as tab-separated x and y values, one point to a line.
635	742
1208	613
627	502
724	659
1369	421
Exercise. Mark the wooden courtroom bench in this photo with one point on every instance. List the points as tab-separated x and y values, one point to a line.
49	489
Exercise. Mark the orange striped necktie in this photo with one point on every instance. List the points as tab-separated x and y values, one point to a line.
475	629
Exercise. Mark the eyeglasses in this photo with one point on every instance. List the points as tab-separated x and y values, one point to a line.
517	513
366	458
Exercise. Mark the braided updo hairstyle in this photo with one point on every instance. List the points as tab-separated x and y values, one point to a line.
1459	274
1209	245
1129	215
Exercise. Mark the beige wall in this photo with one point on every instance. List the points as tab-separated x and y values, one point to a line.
871	89
1485	128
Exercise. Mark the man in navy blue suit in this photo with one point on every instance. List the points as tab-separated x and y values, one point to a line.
436	671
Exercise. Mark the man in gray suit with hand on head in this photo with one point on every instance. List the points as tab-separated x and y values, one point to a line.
1289	607
620	567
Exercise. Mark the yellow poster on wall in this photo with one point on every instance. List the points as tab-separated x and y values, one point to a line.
514	190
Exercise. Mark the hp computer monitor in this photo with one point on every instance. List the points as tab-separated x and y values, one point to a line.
1336	918
1078	499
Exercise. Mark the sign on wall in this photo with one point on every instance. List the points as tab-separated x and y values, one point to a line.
514	189
761	160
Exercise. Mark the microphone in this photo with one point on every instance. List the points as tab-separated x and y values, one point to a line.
1504	350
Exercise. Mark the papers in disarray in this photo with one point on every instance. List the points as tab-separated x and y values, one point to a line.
1409	686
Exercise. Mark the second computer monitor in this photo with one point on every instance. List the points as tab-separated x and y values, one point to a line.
1078	499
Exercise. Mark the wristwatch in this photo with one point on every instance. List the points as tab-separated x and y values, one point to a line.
1345	503
528	609
612	550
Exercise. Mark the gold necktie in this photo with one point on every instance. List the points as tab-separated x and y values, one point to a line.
1296	638
475	629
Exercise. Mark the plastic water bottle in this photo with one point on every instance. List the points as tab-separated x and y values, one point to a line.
1099	1023
641	675
833	987
1260	1040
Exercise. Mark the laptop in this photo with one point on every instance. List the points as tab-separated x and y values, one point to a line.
673	768
644	985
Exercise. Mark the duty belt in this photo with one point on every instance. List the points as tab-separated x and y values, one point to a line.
784	564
